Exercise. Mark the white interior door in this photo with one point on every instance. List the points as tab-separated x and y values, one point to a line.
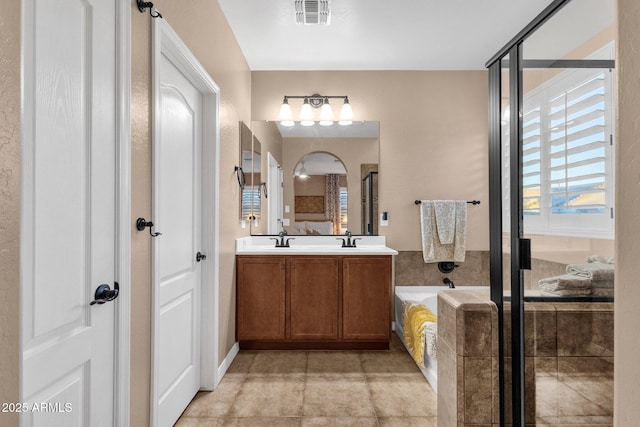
274	201
68	236
178	216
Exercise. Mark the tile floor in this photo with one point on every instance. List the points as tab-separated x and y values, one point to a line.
318	388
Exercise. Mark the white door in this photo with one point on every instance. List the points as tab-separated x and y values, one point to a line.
274	201
178	216
68	240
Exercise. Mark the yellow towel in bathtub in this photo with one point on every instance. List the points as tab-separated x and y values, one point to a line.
413	320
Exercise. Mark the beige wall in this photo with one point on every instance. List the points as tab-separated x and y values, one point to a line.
432	123
351	153
9	204
205	31
627	318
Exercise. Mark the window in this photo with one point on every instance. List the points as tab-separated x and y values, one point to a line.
250	196
567	155
343	209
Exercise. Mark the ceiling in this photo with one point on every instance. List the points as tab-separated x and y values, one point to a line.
378	34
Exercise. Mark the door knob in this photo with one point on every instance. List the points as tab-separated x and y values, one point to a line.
104	293
200	257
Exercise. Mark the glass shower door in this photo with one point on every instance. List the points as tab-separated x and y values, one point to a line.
552	143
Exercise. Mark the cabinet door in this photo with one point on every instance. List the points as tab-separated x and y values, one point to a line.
366	298
261	298
314	298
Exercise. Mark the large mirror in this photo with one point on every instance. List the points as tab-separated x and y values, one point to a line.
252	190
325	173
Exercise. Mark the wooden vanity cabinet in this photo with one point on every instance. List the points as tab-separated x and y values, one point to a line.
314	298
327	302
366	290
260	298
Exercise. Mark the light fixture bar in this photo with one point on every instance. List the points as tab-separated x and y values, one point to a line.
315	101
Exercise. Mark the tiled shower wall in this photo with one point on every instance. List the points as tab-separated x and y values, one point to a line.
411	270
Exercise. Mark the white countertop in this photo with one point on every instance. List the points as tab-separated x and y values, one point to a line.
313	245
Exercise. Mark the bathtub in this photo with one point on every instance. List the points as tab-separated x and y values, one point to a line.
427	295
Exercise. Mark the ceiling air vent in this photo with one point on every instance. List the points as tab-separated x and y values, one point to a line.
313	12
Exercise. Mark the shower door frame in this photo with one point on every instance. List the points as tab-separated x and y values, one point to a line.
520	253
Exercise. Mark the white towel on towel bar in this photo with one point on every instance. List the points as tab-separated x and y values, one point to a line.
445	211
433	250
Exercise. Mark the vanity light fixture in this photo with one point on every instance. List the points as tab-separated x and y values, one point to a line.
306	112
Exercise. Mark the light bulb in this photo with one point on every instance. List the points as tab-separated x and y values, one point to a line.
326	113
306	114
302	172
285	111
346	114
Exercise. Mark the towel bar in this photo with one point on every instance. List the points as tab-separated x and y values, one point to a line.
473	202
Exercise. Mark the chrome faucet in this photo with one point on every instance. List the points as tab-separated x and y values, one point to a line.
448	282
348	242
282	243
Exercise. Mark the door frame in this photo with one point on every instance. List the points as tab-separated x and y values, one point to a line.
274	202
123	224
165	41
122	320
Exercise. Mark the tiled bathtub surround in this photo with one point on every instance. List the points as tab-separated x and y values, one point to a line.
411	270
568	362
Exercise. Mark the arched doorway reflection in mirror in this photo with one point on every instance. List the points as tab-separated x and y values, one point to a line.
320	195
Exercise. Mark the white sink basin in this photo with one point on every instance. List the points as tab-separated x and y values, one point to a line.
259	245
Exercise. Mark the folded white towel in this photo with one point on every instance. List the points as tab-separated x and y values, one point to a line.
602	292
431	337
604	284
566	292
566	281
592	270
600	258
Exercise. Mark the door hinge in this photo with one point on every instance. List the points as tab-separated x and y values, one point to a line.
525	254
611	213
610	139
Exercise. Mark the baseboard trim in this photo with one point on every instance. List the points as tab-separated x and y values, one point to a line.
226	363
